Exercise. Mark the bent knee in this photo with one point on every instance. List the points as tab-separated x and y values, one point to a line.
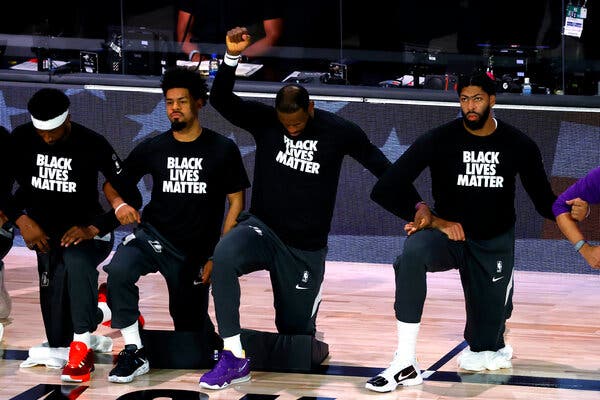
295	328
424	249
120	273
230	254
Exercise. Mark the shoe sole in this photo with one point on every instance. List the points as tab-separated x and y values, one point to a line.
469	368
76	378
392	387
143	369
233	381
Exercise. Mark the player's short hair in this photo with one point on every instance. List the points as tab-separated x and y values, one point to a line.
476	78
292	98
182	77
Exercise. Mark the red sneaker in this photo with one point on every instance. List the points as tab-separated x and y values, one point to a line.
102	293
80	365
103	296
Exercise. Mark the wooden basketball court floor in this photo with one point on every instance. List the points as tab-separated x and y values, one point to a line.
555	333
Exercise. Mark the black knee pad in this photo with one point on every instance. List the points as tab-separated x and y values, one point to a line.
181	349
278	352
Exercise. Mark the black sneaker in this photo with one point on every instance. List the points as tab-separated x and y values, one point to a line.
393	376
131	362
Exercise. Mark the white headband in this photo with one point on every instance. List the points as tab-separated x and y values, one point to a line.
51	123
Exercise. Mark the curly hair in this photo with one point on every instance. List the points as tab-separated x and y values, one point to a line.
182	77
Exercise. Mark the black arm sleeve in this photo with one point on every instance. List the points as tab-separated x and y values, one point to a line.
106	222
246	114
366	153
394	190
534	179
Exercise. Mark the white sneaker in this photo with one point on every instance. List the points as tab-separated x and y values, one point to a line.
482	360
1	331
405	374
101	344
57	357
51	357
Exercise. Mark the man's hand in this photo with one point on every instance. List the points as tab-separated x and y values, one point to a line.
453	230
78	234
127	214
422	219
591	255
33	235
204	277
579	209
237	40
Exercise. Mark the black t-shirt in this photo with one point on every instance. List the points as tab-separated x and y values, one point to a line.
295	178
214	18
473	177
190	181
58	184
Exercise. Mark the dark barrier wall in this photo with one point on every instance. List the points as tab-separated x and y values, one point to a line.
569	140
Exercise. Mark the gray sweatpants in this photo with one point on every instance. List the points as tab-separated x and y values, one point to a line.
486	272
69	288
146	251
296	277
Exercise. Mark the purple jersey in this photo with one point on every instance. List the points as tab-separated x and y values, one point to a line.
586	188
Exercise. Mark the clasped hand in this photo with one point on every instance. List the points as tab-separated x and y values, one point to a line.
78	234
425	219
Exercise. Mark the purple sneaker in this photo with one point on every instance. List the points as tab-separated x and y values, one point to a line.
229	369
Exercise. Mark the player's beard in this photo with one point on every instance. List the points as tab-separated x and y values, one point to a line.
177	125
478	123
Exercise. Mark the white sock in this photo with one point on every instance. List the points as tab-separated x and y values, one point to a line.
106	313
406	352
131	335
234	344
84	338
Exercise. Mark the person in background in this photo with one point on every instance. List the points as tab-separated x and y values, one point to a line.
208	22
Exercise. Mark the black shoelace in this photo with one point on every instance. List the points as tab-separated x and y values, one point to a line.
128	360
